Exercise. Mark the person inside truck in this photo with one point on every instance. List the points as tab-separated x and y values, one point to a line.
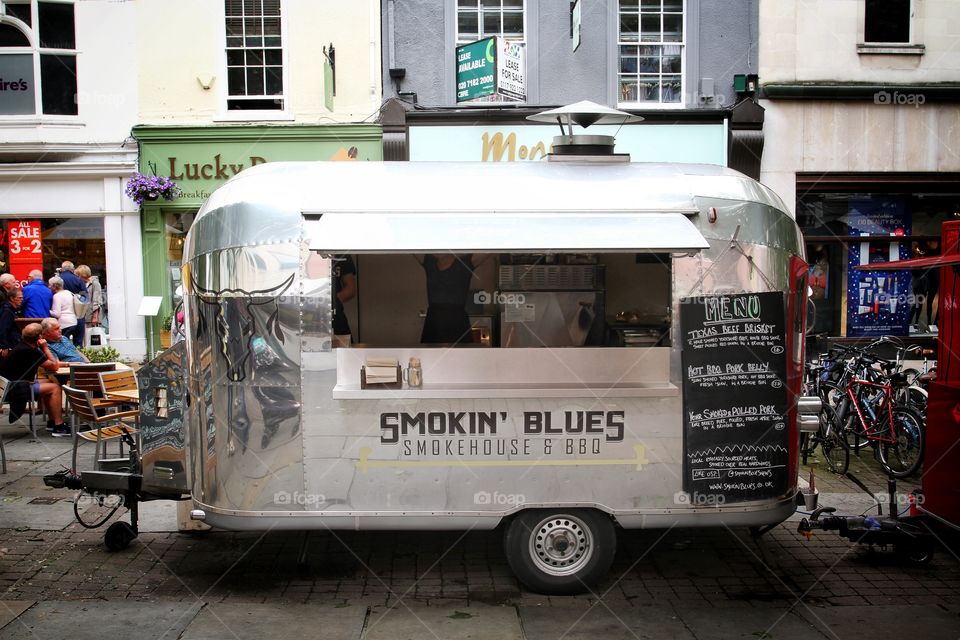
448	284
344	278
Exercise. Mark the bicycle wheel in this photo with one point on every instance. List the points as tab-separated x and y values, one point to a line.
853	434
903	456
832	442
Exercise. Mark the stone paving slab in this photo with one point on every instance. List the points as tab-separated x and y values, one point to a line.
894	621
606	621
20	446
277	622
749	623
78	620
20	512
408	621
10	609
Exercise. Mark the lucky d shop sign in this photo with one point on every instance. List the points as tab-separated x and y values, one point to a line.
492	66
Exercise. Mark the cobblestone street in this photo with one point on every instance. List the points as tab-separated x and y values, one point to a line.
677	569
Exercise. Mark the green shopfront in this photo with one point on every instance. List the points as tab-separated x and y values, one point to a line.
200	159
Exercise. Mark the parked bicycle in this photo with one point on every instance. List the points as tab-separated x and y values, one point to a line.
869	414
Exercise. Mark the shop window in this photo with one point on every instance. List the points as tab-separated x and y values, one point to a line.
479	19
887	21
846	230
254	48
651	47
38	59
45	243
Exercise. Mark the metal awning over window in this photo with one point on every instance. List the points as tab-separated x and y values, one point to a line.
503	233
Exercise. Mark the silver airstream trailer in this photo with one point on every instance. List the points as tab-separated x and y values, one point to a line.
633	359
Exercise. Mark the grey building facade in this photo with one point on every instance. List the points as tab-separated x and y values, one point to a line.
671	61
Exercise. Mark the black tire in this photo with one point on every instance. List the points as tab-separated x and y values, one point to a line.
560	551
808	444
904	455
917	551
119	535
852	432
832	442
916	399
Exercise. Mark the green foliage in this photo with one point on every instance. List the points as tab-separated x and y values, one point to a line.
101	354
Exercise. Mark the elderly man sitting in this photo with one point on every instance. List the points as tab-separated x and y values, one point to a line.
20	368
59	344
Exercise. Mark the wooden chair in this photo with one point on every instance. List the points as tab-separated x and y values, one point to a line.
86	377
5	387
121	380
101	427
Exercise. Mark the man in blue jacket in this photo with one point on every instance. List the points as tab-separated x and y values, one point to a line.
73	284
37	297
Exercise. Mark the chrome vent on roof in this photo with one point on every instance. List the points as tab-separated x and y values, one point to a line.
581	147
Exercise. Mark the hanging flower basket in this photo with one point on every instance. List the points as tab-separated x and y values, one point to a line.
141	187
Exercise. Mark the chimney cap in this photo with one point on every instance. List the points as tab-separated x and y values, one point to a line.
585	113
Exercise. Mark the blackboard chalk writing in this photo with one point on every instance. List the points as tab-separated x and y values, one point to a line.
727	308
734	396
713	414
741	448
702	333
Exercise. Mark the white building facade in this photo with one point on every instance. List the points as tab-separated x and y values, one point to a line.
67	104
863	143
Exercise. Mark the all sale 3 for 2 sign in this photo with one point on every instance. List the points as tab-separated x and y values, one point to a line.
25	248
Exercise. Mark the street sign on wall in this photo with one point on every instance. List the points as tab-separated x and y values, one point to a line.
576	20
491	69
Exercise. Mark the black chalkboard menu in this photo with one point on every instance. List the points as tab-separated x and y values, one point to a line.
734	397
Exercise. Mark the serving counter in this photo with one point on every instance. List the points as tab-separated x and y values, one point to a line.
515	373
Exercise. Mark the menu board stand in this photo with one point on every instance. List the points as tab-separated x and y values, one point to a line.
735	437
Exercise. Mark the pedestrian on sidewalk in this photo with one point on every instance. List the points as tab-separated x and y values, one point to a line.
8	283
73	284
9	331
62	308
37	297
94	295
20	368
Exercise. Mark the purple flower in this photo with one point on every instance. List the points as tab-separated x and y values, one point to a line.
141	187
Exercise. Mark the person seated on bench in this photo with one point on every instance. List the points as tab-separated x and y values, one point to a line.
20	368
60	345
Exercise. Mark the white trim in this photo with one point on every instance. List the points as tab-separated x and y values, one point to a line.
72	169
35	120
503	232
249	116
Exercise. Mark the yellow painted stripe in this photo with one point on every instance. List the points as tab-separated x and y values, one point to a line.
365	463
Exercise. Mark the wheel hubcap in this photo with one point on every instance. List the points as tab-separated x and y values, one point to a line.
561	545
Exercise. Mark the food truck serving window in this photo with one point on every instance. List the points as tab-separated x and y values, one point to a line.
564	304
503	232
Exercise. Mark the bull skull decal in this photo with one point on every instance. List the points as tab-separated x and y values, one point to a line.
235	325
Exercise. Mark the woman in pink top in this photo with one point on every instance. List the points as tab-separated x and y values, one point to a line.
62	308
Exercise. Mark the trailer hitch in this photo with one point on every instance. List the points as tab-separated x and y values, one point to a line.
909	541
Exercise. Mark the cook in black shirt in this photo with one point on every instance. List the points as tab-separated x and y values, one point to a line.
343	273
448	283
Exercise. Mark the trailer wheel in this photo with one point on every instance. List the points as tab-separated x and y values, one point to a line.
916	551
119	536
560	552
